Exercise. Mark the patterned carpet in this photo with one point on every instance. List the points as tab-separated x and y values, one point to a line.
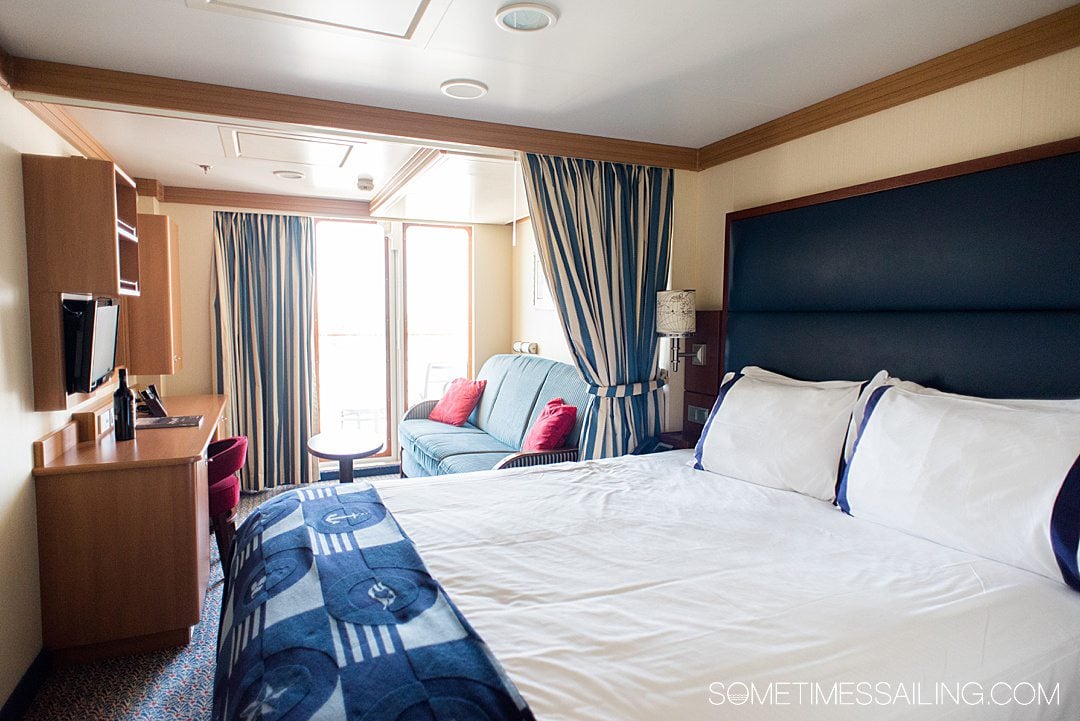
172	684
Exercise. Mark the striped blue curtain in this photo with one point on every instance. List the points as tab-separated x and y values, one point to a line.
264	313
603	235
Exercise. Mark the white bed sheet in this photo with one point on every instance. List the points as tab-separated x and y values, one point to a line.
642	589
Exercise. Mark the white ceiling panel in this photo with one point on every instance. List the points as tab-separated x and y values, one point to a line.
172	150
283	148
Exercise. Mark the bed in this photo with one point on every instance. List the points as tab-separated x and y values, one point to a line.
645	588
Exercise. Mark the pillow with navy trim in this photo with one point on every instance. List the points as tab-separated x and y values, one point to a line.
998	479
779	432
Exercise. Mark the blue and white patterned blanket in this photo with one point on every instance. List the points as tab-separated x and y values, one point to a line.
329	613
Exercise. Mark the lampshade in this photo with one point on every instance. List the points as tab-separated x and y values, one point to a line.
675	313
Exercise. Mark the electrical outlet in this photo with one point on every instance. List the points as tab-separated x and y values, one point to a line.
697	414
105	421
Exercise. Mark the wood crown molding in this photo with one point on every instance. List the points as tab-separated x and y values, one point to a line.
111	86
68	128
332	207
1040	38
964	167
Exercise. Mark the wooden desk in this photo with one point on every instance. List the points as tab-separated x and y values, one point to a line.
124	538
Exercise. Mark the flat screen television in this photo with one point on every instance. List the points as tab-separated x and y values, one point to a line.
90	326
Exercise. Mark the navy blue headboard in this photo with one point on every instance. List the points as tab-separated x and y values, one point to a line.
965	278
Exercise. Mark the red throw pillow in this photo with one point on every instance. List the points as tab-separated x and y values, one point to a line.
551	428
458	401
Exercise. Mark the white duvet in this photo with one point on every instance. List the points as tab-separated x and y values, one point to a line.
641	589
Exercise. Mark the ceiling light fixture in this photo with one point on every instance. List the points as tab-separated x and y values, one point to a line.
464	89
526	17
289	174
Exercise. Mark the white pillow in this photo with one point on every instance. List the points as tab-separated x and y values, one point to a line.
779	432
880	378
1000	479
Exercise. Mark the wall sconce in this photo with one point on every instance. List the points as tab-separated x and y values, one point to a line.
676	319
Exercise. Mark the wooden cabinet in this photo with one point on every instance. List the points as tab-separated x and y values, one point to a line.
81	226
152	334
702	382
123	536
81	237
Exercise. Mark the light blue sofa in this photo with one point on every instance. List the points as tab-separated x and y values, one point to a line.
518	387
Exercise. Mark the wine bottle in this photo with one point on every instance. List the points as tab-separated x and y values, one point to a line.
124	410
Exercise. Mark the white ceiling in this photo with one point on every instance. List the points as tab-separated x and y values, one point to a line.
682	72
243	157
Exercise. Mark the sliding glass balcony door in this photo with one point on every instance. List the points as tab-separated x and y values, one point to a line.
394	307
351	266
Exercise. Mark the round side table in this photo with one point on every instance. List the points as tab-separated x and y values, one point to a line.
344	447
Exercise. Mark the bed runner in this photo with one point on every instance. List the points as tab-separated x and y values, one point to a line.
329	613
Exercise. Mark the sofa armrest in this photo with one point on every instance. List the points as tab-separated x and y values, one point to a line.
538	458
420	410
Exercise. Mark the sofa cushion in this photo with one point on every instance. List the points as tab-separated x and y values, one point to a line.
563	381
467	462
417	428
429	442
413	468
507	417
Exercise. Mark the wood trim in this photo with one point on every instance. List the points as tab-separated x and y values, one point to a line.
111	86
1037	39
68	128
150	188
1012	157
327	207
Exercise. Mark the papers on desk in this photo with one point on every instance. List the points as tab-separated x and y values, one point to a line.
169	422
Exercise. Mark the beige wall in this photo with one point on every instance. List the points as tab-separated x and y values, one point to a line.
491	291
20	631
530	323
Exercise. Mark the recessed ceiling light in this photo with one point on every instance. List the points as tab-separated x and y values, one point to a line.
464	89
289	174
526	17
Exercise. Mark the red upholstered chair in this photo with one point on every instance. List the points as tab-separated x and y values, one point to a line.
223	459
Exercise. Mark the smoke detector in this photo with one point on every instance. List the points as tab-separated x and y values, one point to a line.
365	184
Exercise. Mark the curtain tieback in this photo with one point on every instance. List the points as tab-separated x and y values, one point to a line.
627	389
